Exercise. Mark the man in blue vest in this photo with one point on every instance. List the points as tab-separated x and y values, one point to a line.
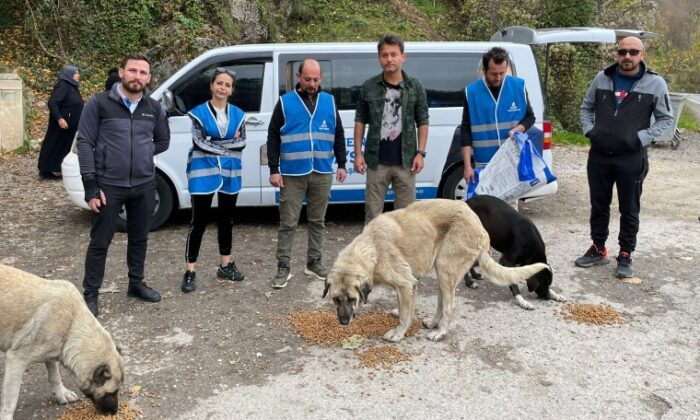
495	107
304	135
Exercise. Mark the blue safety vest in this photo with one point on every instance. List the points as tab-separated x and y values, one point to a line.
307	140
207	172
491	119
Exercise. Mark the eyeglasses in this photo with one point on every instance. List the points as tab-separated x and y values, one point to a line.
220	70
623	52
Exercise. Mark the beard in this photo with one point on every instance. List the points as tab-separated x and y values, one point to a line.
133	86
628	65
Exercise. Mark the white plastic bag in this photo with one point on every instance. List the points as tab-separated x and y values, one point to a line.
515	169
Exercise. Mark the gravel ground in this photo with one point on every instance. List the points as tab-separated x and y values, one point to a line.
228	350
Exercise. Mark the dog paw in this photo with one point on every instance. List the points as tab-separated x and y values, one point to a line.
65	396
393	336
473	285
436	335
520	301
556	297
394	312
431	325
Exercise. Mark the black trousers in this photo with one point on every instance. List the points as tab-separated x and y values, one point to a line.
627	173
201	215
139	202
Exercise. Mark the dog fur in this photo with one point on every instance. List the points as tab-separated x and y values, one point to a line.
516	237
47	321
401	246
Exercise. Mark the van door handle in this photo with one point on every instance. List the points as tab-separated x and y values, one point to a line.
254	121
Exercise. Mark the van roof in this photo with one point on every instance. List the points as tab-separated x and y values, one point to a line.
318	47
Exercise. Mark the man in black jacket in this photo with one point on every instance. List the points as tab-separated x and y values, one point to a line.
119	133
616	117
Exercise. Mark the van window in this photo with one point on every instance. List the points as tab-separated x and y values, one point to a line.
443	76
247	94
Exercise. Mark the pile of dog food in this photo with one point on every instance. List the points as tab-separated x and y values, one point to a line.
84	410
591	314
383	357
323	327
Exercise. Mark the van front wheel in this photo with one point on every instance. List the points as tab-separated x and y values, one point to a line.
163	207
455	187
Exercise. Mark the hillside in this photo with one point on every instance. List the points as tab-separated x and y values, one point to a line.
37	37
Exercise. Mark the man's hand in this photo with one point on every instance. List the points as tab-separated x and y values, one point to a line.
418	163
63	123
468	173
96	203
340	176
360	165
276	180
517	129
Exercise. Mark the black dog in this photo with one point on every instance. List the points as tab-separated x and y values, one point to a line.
519	242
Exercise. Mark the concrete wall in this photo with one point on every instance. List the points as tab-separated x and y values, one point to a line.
11	112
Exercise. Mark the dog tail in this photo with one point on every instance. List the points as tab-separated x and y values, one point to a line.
505	276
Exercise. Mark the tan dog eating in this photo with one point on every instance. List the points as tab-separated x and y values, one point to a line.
47	321
399	247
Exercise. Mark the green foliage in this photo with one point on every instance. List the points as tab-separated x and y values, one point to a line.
688	121
482	18
567	137
566	13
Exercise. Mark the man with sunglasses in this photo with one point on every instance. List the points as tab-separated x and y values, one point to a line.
616	117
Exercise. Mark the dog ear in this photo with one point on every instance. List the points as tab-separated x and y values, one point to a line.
325	288
101	375
364	292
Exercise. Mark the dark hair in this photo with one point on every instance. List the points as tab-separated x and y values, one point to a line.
137	57
496	54
112	78
224	70
390	39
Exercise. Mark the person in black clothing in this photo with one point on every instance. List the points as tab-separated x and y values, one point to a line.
65	107
616	117
119	133
112	78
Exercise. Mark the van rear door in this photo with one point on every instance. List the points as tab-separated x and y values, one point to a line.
547	37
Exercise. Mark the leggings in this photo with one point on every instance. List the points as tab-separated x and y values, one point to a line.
201	215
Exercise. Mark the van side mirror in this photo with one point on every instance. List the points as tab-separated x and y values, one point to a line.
170	102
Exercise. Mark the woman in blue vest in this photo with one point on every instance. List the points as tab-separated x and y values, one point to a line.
214	166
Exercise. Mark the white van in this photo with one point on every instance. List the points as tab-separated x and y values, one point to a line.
266	71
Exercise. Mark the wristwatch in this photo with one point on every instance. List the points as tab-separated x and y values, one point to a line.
420	152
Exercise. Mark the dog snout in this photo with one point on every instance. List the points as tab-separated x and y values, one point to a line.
108	404
345	314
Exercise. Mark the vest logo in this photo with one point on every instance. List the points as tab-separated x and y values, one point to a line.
514	108
143	114
324	126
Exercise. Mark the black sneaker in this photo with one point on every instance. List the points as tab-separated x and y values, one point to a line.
594	256
624	265
48	175
188	282
143	292
91	302
230	271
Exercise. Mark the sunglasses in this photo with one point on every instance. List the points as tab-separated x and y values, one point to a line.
623	52
231	73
